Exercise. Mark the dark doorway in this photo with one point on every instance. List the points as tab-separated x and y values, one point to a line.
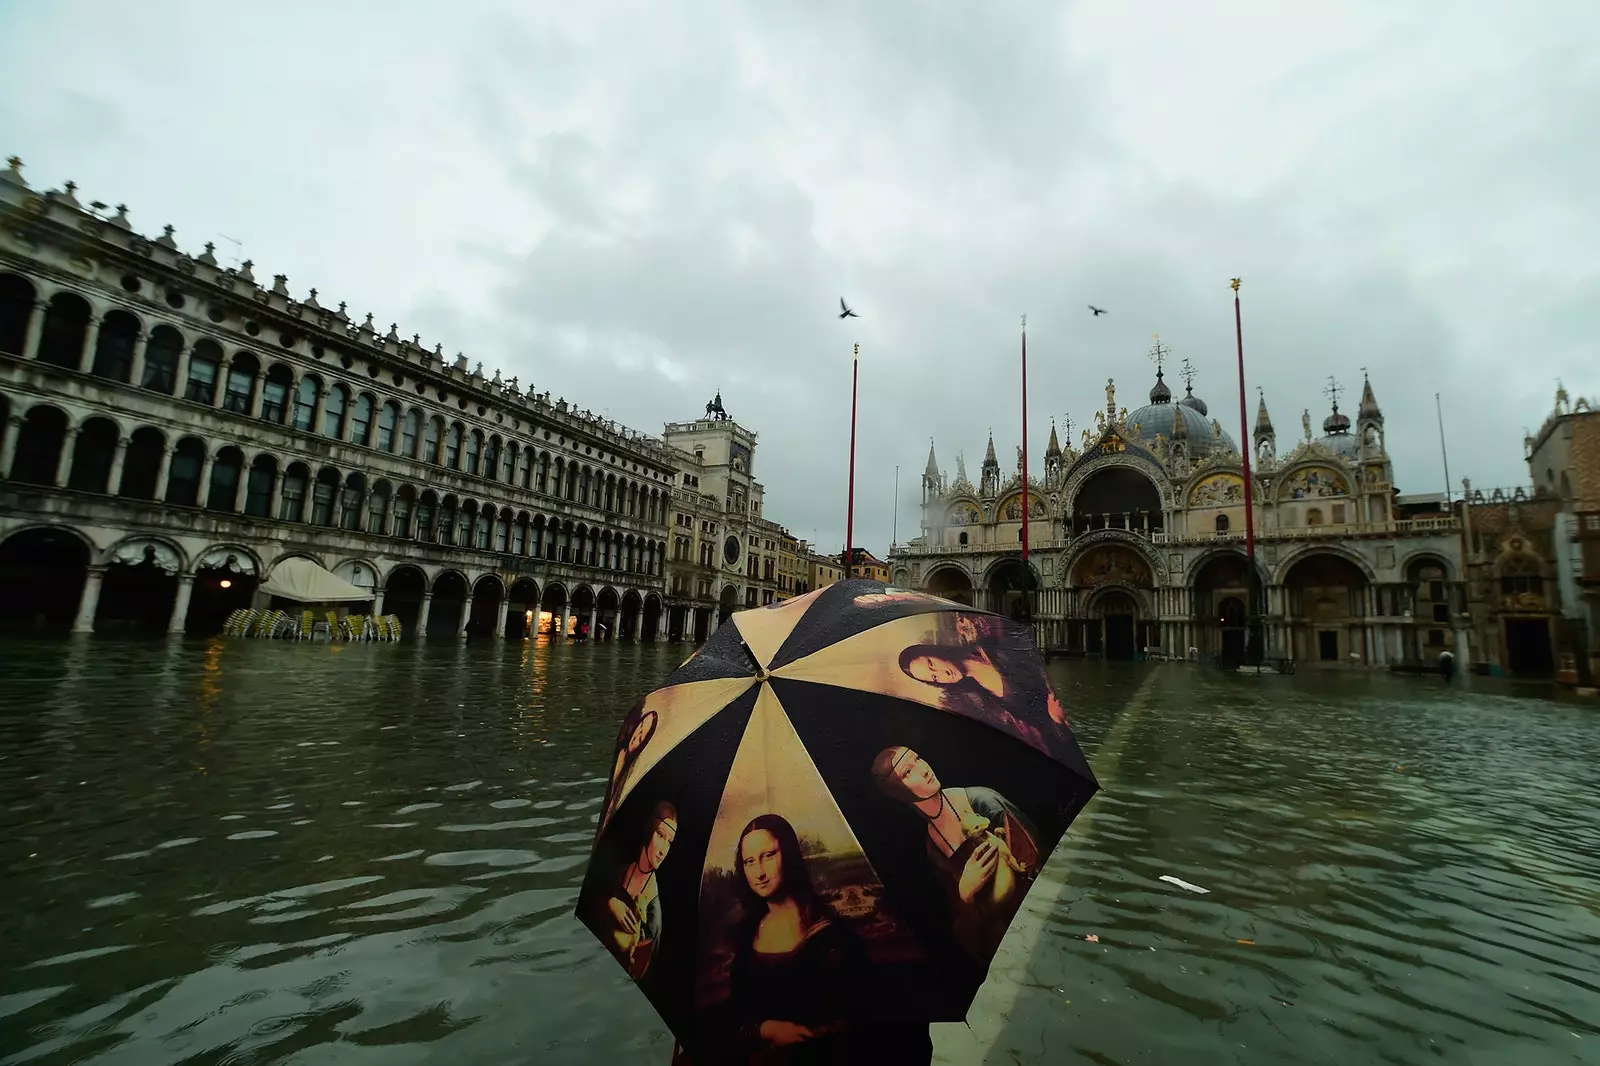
1328	646
449	597
1231	622
41	580
1120	643
402	598
218	592
136	597
1528	649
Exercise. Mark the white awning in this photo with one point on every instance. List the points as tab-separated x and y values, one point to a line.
304	581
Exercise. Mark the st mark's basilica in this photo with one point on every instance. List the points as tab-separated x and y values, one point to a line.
1137	537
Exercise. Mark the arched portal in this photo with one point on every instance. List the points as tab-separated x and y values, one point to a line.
42	574
582	611
1117	498
606	614
402	596
225	580
522	609
139	588
1221	578
449	597
553	607
488	599
39	443
726	603
1011	589
952	583
632	608
651	617
1327	609
1117	634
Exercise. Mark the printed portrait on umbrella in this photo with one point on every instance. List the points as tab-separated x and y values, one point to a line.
631	915
981	846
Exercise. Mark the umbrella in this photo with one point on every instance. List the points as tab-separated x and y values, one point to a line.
825	819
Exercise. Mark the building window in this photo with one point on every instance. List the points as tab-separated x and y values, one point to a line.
202	384
474	448
322	497
430	442
409	432
305	404
292	507
388	418
333	413
361	420
241	385
1222	523
402	517
452	447
1338	514
962	539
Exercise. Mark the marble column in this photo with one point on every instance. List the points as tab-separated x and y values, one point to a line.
594	617
566	616
69	445
180	373
203	496
257	389
422	615
377	601
8	444
162	473
30	346
466	617
275	505
90	600
500	621
180	605
141	345
91	341
118	457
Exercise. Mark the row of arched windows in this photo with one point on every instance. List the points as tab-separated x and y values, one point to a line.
91	458
308	404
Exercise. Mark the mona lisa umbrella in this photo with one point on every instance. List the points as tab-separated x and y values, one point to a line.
825	820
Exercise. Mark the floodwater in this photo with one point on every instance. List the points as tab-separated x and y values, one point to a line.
247	852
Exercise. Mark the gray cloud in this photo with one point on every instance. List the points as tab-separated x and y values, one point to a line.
632	209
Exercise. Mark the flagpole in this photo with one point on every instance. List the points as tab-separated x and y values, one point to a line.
1252	615
850	506
1443	452
1027	575
894	535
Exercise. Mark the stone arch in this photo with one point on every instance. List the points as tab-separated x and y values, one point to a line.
404	586
629	615
1114	493
727	602
1084	472
66	330
1288	562
952	581
161	356
522	609
227	477
606	606
94	449
650	618
1326	589
43	569
37	459
115	344
17	297
450	590
183	472
360	571
225	579
488	606
553	602
141	467
1427	556
140	586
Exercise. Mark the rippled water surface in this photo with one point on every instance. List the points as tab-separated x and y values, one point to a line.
248	853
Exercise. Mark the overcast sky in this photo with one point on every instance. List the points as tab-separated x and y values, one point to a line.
635	204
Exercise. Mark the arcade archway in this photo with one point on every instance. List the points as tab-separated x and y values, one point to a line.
553	611
140	588
1011	589
652	617
402	597
1115	631
42	573
449	598
1220	580
225	581
726	603
487	597
522	609
606	614
583	611
632	608
952	584
1117	498
1327	609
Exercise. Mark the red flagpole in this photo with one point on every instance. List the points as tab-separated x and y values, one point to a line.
1251	615
1027	576
850	507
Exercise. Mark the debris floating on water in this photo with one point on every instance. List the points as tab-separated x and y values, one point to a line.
1181	883
1092	938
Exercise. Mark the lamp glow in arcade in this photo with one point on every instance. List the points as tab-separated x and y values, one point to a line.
225	583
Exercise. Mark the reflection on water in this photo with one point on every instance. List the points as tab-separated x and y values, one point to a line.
246	852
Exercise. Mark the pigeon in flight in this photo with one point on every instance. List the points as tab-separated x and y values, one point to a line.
844	310
1098	311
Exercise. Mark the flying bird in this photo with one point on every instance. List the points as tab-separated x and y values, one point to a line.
1098	311
844	310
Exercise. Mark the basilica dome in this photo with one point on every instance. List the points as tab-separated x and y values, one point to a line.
1336	436
1160	416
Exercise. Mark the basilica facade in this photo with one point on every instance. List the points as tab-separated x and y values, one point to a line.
1137	538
